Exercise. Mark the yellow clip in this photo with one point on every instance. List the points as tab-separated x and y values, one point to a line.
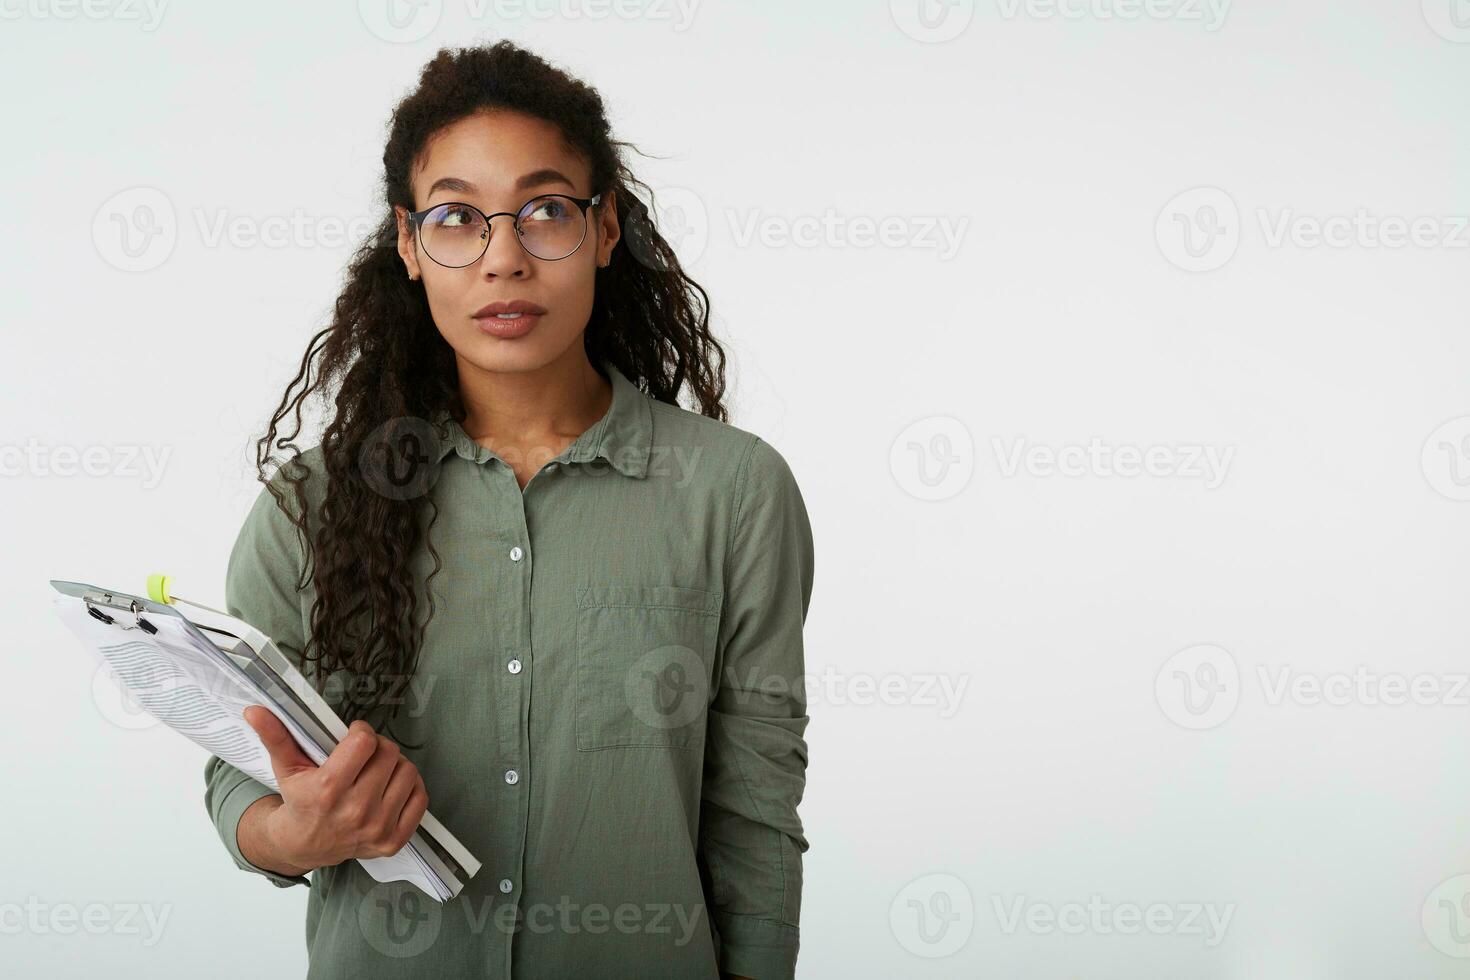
158	588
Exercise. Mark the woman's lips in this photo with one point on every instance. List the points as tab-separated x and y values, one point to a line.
508	328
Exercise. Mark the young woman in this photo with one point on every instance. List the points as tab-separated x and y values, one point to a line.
558	608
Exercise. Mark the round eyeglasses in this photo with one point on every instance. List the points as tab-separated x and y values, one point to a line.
549	227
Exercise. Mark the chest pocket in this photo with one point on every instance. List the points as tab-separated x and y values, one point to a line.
645	659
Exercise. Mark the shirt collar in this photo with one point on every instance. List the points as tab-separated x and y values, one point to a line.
623	436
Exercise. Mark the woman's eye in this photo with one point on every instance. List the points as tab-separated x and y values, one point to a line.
455	217
548	211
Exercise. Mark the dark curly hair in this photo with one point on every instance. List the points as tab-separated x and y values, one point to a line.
382	359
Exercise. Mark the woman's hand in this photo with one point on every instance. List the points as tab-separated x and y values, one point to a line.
364	801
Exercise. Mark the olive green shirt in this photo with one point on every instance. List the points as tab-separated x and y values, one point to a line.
611	703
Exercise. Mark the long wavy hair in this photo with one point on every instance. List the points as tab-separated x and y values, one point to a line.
382	359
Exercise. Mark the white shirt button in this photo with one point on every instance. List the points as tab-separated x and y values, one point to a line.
514	666
505	885
516	553
512	777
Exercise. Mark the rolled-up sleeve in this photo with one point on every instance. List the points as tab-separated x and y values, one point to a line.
751	837
260	588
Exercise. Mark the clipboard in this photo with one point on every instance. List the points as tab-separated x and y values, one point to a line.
248	667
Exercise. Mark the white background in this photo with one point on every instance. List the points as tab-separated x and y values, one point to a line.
1082	757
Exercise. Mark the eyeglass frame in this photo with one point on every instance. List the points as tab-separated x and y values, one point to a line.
417	217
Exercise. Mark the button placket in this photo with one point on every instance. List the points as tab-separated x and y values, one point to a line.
518	574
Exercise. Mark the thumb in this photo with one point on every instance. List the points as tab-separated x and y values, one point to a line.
287	759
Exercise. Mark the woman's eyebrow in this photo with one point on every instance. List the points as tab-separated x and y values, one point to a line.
546	175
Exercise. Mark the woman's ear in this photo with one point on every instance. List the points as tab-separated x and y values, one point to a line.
407	247
608	230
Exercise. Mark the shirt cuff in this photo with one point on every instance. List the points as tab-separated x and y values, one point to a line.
761	949
232	808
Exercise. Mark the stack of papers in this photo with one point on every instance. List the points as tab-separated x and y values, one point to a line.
197	674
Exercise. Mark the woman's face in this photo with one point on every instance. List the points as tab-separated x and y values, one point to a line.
498	161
